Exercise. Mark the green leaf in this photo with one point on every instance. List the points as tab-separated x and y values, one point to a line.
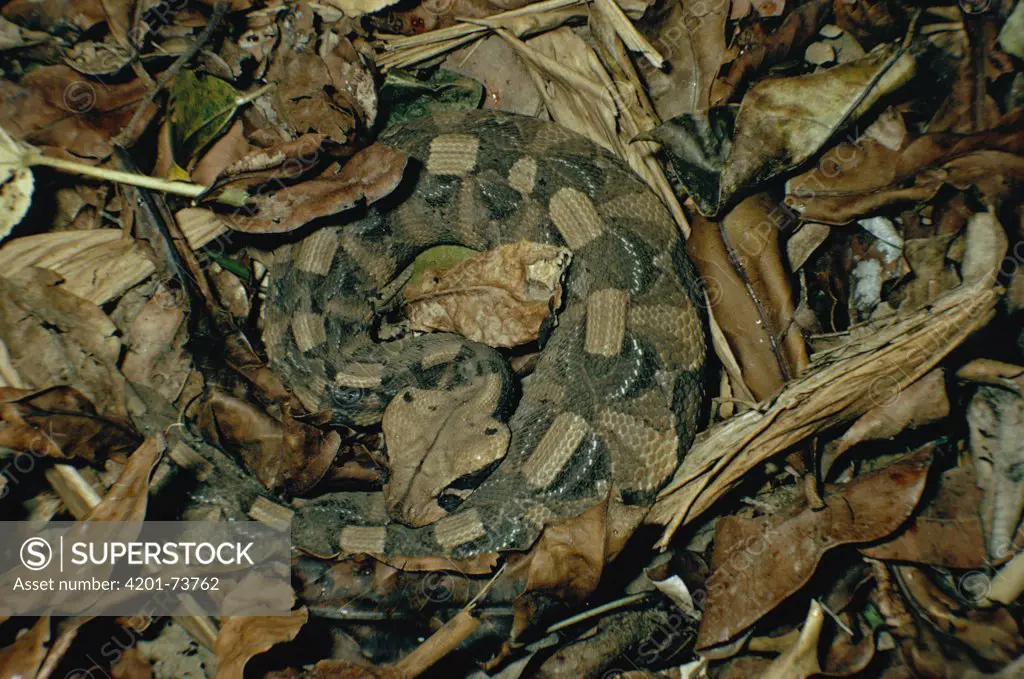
201	107
405	96
438	258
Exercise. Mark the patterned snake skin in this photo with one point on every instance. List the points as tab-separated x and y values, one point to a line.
615	398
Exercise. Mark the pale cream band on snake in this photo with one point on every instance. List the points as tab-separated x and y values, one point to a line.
616	395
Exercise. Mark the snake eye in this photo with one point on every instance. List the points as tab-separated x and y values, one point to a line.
347	397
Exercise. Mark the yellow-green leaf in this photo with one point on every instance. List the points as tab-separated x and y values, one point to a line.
201	108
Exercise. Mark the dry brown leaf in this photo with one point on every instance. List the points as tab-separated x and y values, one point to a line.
61	423
292	455
923	402
435	438
23	658
500	297
242	637
56	338
839	385
947	531
802	244
796	30
750	294
984	248
370	175
565	564
862	175
322	88
759	563
53	108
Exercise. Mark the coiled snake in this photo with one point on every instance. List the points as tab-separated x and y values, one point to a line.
614	400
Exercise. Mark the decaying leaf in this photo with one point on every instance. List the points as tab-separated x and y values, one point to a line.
565	564
289	455
863	175
946	532
53	108
499	298
758	563
242	637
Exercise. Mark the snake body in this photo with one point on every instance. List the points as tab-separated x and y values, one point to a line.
616	394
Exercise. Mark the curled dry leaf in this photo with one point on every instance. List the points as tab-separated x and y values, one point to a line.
370	175
61	423
243	637
500	297
800	660
289	455
759	563
862	175
750	294
56	338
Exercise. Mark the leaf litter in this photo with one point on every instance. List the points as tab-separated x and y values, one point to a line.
849	177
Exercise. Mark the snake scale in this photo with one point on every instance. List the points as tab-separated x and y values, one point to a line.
615	397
